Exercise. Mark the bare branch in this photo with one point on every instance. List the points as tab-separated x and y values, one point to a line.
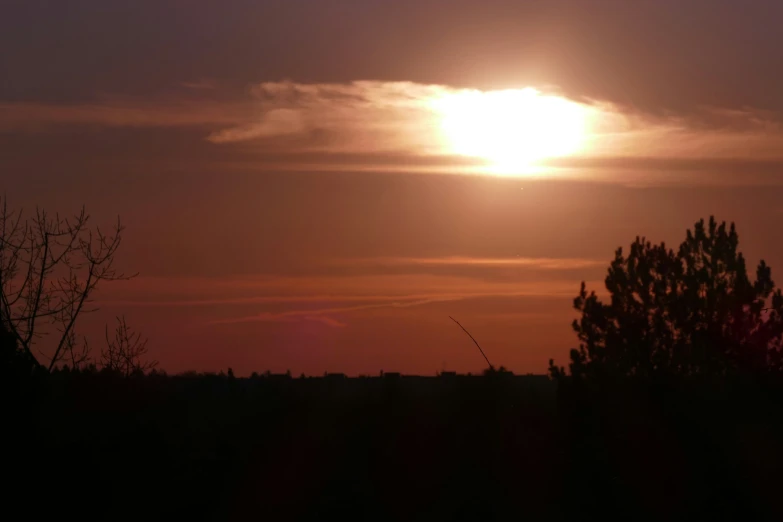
475	341
49	267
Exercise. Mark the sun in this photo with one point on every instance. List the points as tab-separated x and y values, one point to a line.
512	129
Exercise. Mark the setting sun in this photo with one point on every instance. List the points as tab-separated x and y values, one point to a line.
513	129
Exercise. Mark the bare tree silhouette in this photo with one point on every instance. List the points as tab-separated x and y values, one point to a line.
49	268
124	354
690	312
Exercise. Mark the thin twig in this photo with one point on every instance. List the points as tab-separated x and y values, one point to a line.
475	341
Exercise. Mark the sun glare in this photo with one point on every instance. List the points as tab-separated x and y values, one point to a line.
512	129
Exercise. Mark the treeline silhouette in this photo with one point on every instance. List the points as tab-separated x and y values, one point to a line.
670	408
221	447
453	447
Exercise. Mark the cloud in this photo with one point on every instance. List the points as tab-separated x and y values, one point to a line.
396	127
543	263
327	299
330	287
276	122
356	116
324	315
284	300
557	289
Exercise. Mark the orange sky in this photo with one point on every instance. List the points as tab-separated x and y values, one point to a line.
291	204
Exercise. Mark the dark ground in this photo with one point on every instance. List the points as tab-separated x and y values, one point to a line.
395	448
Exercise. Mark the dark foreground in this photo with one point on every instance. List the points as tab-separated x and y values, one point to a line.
395	448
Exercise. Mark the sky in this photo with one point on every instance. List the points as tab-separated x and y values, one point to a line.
312	186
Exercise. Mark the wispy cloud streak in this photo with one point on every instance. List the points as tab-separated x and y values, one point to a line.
323	315
543	263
